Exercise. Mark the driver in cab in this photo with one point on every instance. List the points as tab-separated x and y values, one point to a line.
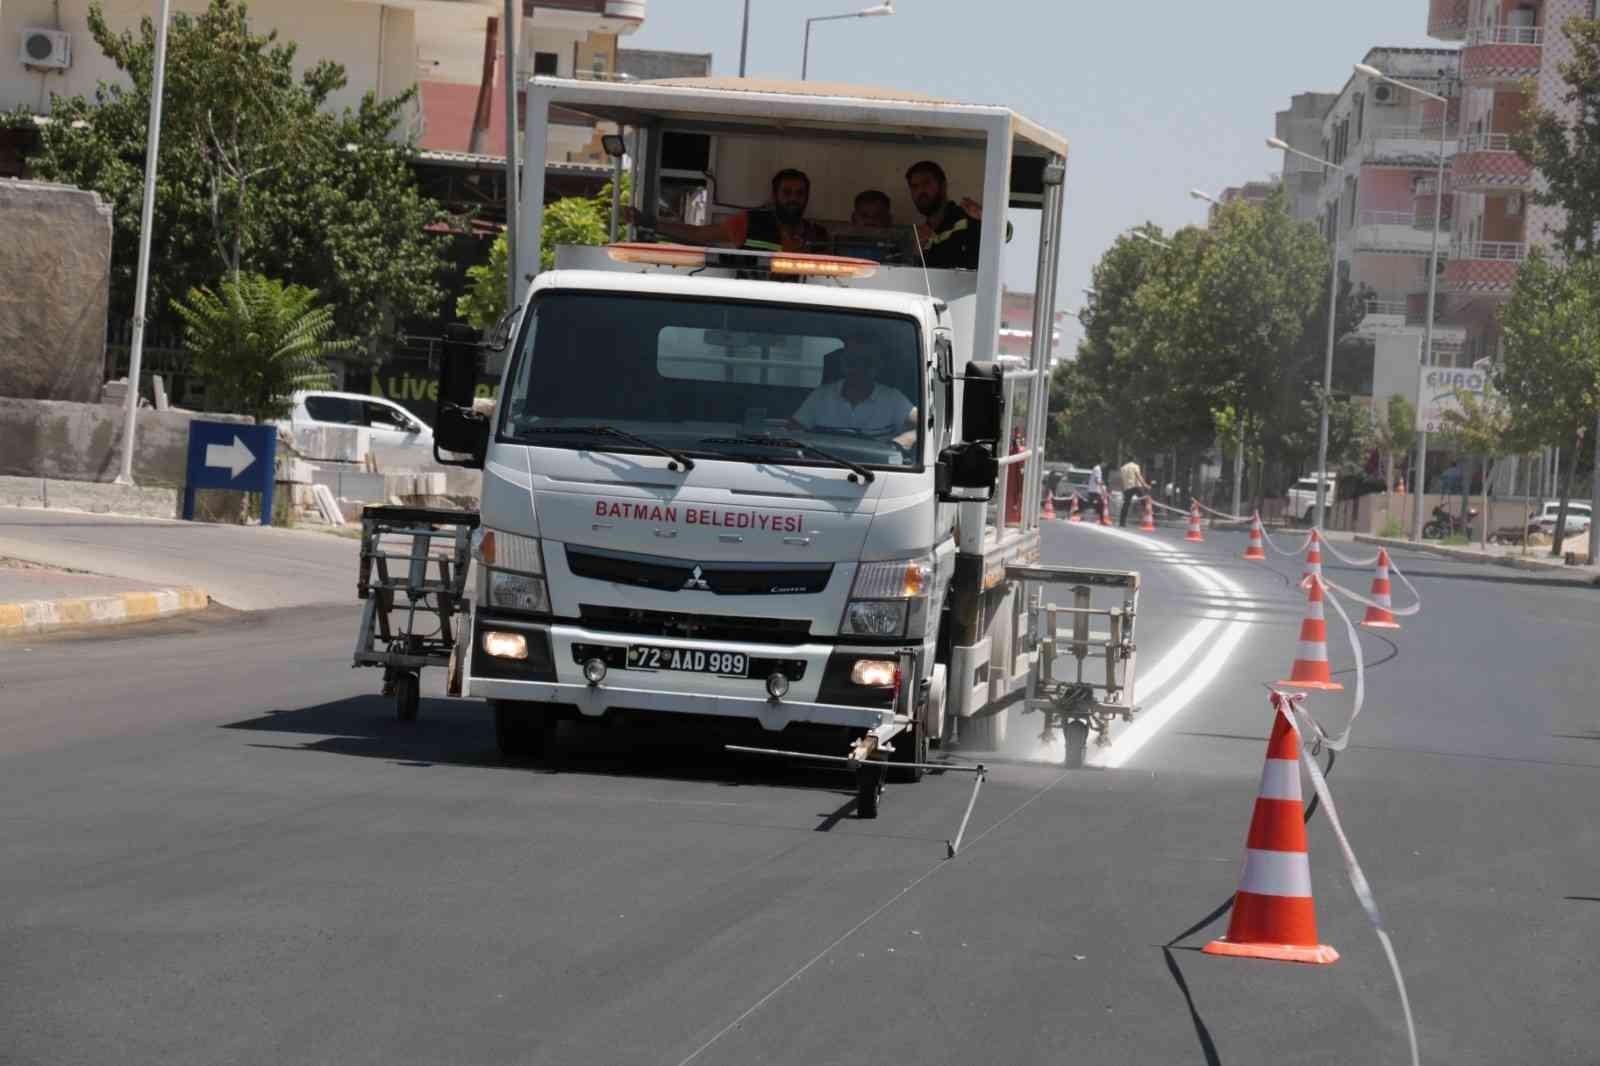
858	404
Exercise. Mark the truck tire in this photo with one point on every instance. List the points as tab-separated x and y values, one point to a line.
1076	735
521	733
909	747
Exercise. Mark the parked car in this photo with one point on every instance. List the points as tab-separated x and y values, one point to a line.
1074	481
391	425
1302	496
1579	515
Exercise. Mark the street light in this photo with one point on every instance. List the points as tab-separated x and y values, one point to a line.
1280	145
1207	197
1143	236
885	8
1433	272
744	38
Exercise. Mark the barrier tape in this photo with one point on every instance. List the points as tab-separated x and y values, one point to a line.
1168	507
1298	720
1292	551
1343	558
1221	515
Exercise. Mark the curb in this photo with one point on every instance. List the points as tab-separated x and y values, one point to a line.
1467	555
41	616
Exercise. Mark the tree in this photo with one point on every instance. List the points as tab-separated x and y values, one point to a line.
1567	152
1550	375
577	220
1483	427
255	173
1392	435
256	342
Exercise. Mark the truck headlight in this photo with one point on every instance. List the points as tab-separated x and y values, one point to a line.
889	598
518	592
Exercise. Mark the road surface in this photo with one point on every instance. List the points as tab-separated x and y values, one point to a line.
221	847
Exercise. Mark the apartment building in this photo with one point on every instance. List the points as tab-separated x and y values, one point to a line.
1506	45
1300	127
1379	203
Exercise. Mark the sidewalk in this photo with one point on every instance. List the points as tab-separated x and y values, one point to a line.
1536	560
248	568
36	599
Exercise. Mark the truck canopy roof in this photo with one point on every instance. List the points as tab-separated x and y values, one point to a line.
665	284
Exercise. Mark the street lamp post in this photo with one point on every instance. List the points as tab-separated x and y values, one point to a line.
1277	144
147	209
885	8
744	38
1421	486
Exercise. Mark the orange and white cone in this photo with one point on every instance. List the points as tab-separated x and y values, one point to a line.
1274	914
1194	525
1074	517
1381	617
1313	558
1255	549
1049	506
1105	508
1310	670
1149	523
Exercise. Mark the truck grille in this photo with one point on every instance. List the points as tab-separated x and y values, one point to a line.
723	579
637	622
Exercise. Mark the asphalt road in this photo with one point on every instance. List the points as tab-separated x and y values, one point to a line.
221	847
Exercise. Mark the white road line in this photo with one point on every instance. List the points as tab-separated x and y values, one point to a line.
1155	716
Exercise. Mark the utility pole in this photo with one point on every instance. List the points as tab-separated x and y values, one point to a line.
513	182
744	38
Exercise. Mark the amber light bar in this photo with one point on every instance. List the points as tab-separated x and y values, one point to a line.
683	255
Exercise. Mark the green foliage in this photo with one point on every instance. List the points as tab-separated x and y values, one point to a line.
1483	426
1550	374
256	342
573	220
255	174
1393	527
1567	152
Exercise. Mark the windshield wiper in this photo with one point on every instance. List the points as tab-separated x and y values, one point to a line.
800	445
611	431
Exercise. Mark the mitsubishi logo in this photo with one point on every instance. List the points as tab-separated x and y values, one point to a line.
697	581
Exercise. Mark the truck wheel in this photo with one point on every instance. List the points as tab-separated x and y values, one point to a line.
407	696
869	788
1076	735
910	747
520	732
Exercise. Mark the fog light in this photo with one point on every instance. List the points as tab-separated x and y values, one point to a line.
594	671
500	645
873	673
778	685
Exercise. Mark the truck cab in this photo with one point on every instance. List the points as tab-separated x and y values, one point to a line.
730	484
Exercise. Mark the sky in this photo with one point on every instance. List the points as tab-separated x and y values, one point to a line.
1154	98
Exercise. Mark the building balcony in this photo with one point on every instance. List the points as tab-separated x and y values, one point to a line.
1484	162
1404	145
604	16
1391	233
1424	200
1501	55
1447	19
1483	268
1435	114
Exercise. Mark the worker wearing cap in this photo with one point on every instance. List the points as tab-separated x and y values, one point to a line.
781	227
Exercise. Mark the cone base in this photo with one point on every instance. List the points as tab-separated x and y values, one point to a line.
1254	553
1197	538
1379	624
1319	955
1320	686
1147	529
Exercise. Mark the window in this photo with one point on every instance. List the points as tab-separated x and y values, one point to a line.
545	63
382	416
598	63
340	409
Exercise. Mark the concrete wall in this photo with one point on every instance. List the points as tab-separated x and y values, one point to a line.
83	442
375	44
55	259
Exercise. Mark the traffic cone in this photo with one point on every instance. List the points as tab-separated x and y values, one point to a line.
1274	915
1255	550
1310	668
1381	617
1194	525
1313	558
1075	517
1149	523
1049	507
1105	509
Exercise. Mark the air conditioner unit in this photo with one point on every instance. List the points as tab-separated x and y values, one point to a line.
46	48
1384	95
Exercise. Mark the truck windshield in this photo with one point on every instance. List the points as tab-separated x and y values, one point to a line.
704	377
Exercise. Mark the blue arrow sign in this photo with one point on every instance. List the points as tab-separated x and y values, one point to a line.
230	455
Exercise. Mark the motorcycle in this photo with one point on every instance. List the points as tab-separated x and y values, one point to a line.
1447	523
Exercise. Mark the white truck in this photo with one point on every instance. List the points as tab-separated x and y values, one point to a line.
668	529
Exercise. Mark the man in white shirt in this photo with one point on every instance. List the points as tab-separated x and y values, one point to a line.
1097	490
856	403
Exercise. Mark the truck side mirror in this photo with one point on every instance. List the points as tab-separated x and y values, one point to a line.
457	428
966	473
983	403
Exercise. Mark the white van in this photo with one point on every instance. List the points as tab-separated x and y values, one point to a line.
391	425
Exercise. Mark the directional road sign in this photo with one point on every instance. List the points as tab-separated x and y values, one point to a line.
230	455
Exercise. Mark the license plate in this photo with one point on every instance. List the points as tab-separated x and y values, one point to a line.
688	660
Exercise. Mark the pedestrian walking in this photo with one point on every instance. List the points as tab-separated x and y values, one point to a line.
1133	486
1097	491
